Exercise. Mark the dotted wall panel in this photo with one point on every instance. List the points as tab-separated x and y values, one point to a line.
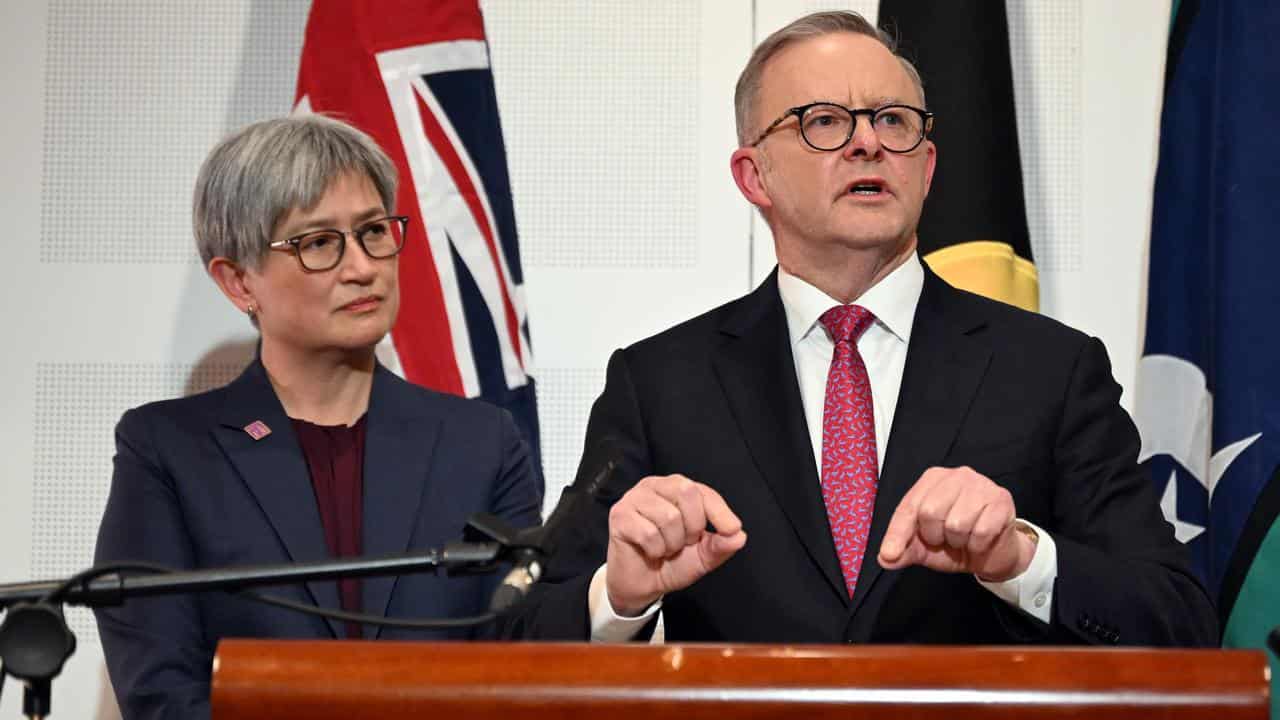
136	93
600	111
1045	40
76	408
565	396
869	9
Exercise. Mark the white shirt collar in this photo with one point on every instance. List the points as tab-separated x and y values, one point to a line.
892	300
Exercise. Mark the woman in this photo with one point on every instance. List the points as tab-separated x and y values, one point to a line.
315	451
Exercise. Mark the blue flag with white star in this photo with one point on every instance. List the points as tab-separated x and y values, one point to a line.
1208	395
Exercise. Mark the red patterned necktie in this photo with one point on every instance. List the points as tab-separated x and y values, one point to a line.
849	464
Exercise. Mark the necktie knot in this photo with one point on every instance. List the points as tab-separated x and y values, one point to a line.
846	323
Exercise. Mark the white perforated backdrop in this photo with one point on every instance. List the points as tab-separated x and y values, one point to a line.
618	123
1044	44
564	401
76	406
136	93
610	134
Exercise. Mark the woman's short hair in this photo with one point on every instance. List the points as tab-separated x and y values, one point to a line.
255	176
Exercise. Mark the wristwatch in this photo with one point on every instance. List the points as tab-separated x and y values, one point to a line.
1027	530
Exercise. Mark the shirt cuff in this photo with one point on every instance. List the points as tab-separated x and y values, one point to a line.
1032	591
606	624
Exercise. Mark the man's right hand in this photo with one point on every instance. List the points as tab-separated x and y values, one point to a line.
659	541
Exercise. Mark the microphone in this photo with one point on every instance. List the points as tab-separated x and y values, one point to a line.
538	543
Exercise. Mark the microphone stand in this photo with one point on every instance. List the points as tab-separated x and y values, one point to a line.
35	641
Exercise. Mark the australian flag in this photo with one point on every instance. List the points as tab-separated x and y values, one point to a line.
416	77
1208	401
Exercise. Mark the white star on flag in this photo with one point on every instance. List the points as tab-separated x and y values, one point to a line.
1185	532
1174	411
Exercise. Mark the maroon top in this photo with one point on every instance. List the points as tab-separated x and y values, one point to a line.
335	457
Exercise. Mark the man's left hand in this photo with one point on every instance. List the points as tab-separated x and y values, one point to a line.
957	520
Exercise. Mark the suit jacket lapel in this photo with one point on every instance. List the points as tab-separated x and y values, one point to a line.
944	368
399	443
757	372
276	473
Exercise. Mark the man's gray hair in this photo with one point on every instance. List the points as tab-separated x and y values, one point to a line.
806	28
255	176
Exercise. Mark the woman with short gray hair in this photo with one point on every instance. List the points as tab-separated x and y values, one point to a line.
315	451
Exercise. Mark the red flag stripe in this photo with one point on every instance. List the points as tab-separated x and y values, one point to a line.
468	191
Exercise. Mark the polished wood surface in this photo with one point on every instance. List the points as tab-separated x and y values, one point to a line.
319	680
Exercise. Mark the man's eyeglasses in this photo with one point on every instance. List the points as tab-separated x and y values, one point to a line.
827	126
321	250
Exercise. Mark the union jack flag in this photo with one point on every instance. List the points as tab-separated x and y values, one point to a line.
416	77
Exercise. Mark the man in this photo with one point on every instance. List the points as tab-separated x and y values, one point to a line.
857	451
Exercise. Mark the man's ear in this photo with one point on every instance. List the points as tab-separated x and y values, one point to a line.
230	278
930	164
747	165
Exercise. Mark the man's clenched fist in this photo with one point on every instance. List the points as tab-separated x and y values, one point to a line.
659	541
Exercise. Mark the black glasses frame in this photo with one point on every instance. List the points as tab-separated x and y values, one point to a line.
926	125
356	234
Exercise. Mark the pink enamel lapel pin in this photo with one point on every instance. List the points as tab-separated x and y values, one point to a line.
257	429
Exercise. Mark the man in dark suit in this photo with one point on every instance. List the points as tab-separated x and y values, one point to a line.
857	451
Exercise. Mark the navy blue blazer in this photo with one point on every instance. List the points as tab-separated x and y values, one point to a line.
192	489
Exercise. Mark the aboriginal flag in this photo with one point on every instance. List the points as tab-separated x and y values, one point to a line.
974	228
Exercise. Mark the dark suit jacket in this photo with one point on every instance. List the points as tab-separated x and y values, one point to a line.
192	489
1019	397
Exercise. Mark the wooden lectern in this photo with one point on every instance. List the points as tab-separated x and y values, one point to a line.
320	680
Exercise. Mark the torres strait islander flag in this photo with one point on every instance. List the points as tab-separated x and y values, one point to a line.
416	77
1208	391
